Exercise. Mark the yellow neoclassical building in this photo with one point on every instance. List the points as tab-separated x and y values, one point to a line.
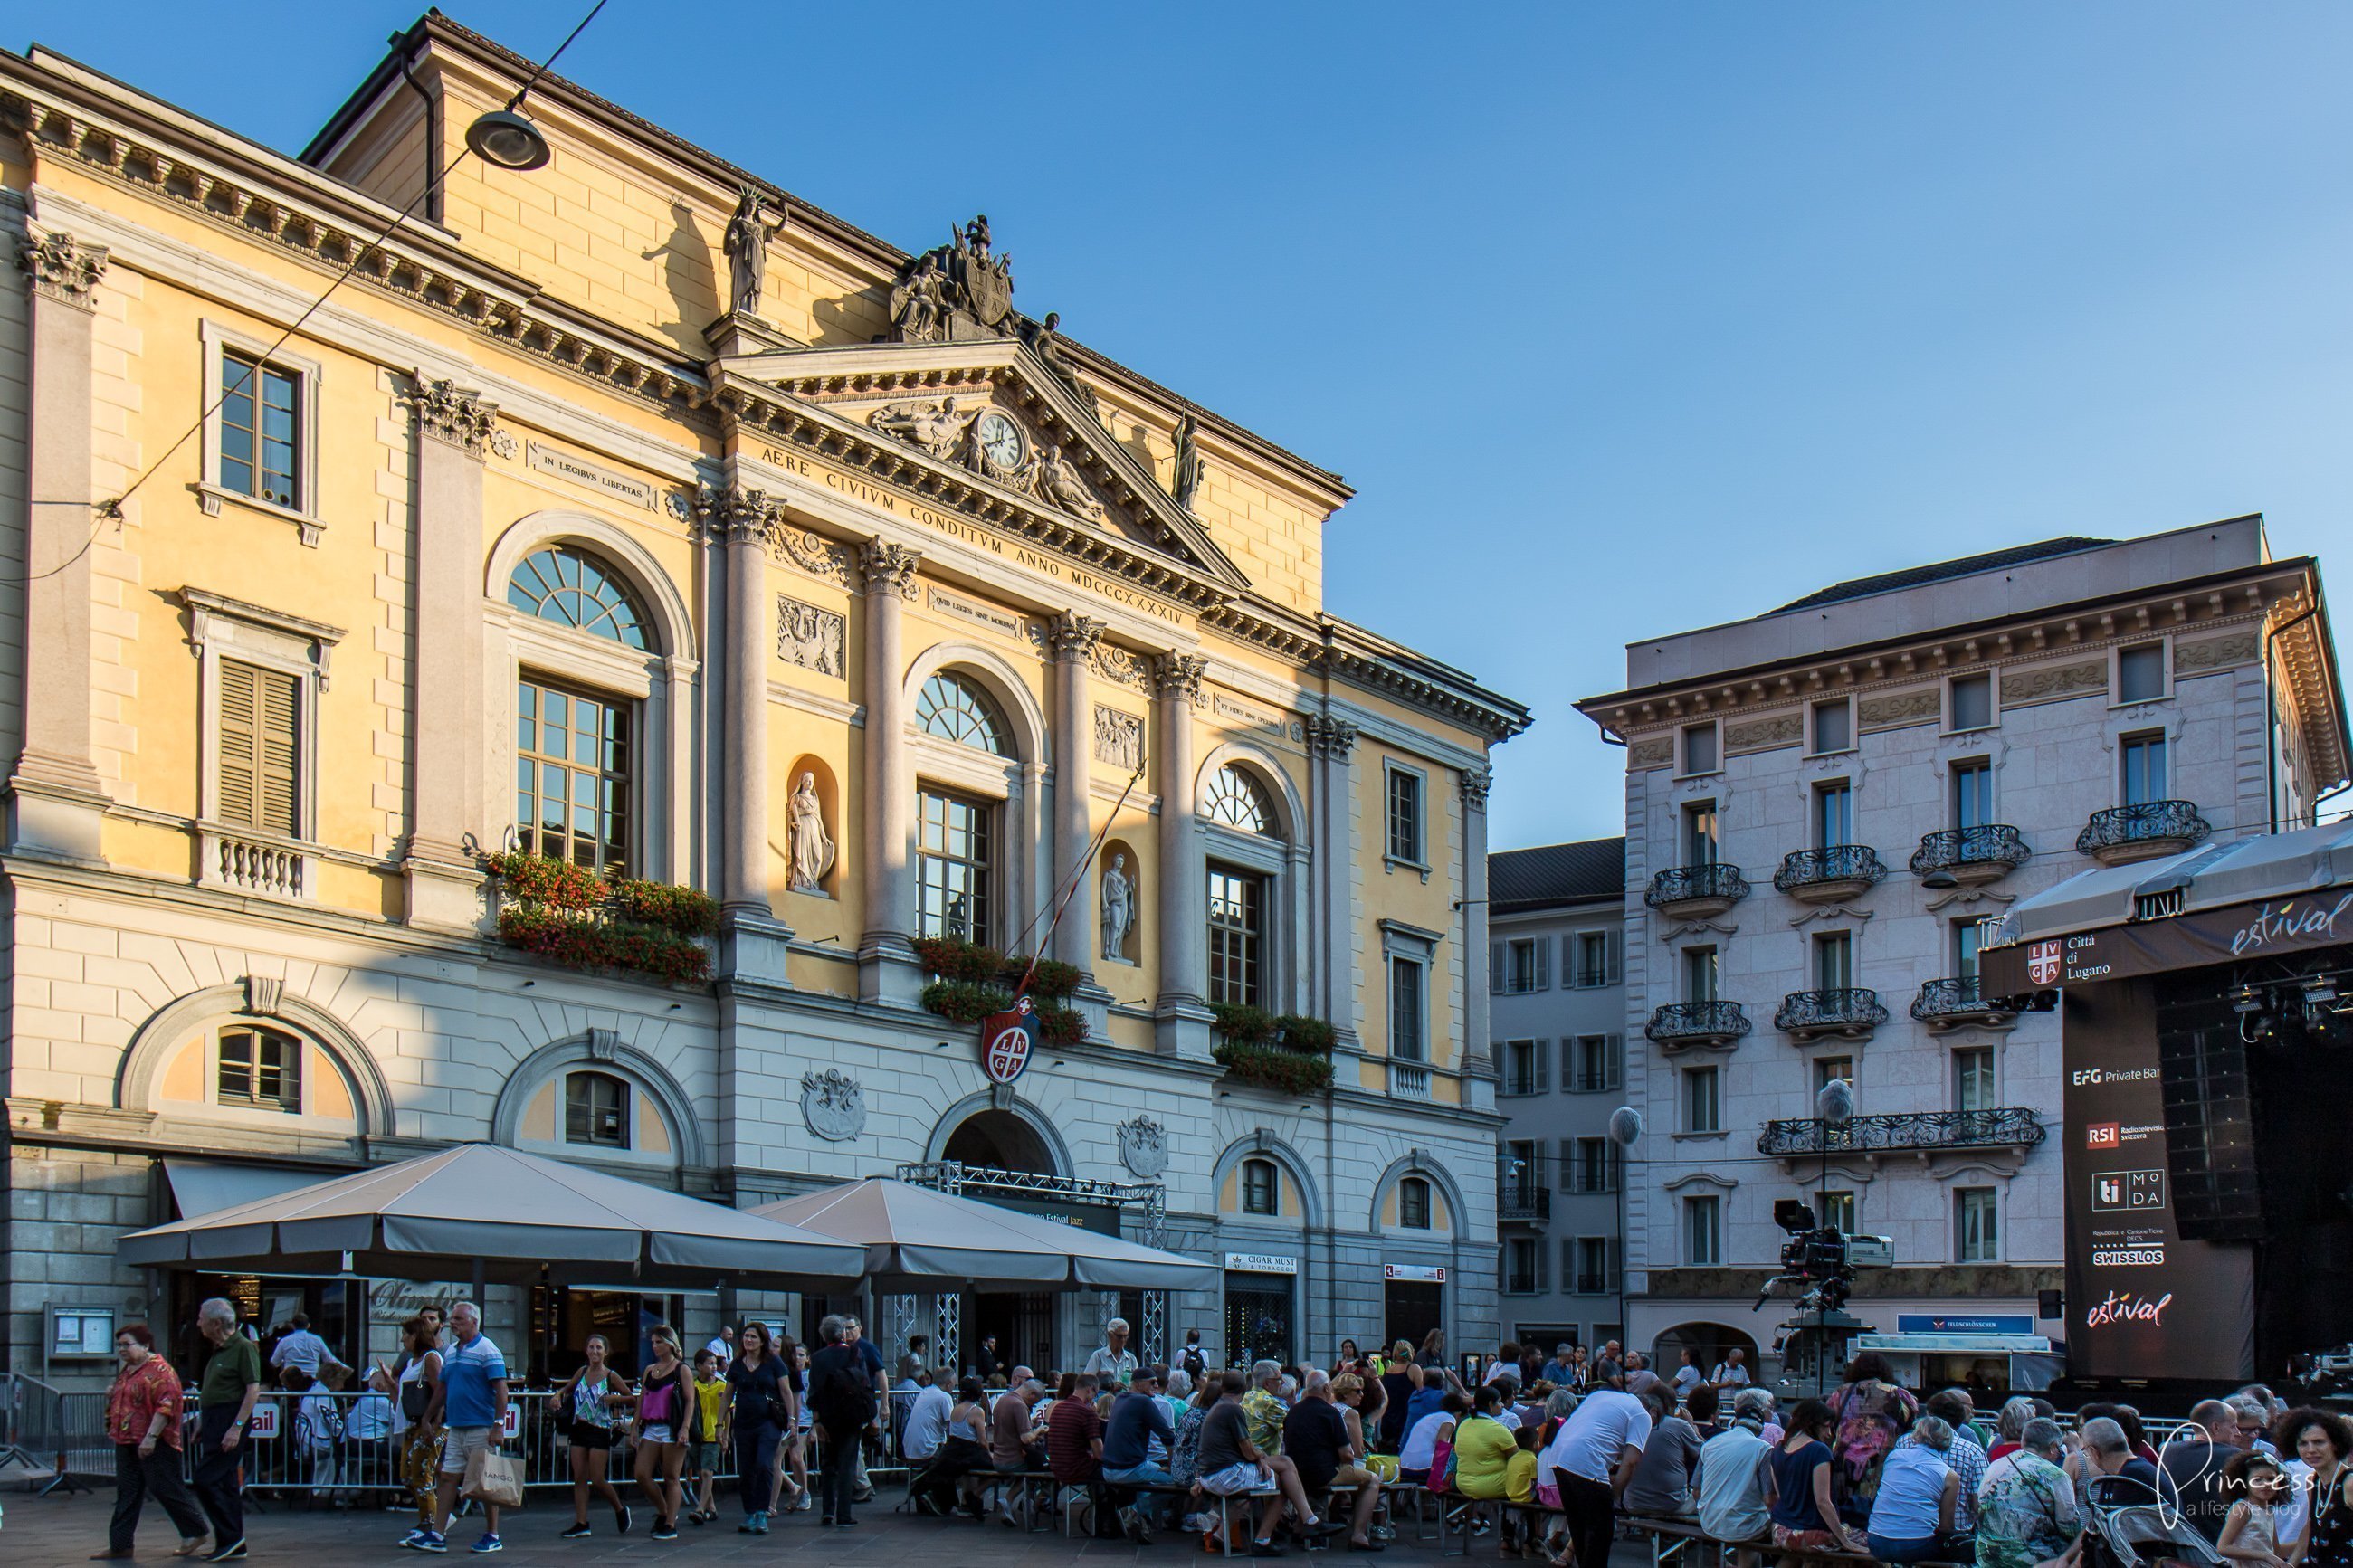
390	678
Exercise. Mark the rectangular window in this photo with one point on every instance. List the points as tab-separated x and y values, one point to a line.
260	748
1524	1258
1974	1227
572	776
1973	1079
1703	1101
1258	1186
1523	1067
259	415
2140	672
1522	1177
1836	1209
1593	967
1834	726
596	1109
1591	1065
1972	703
1833	816
1699	833
1703	1232
1596	1165
1699	975
1833	960
1972	793
1967	937
1524	964
1592	1265
261	1069
1413	1204
1236	902
1405	1038
2144	768
1405	816
955	867
1829	1070
1699	749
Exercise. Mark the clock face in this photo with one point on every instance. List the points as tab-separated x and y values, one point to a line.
1000	440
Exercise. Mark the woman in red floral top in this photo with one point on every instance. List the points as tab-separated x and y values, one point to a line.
142	1418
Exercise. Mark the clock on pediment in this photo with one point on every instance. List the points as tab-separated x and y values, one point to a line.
999	447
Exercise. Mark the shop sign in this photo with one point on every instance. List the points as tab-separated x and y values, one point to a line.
1006	1041
1261	1263
1981	1323
1422	1273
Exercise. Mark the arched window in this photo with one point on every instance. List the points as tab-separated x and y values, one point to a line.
1259	1187
1237	800
956	709
561	584
597	1109
1413	1202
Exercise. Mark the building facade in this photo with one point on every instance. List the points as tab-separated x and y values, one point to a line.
1557	1010
1823	803
626	517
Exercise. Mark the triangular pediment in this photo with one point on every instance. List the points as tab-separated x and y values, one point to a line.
991	418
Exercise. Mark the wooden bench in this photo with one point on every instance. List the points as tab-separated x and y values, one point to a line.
1682	1538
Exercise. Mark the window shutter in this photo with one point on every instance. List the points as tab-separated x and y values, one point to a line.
1614	1055
1617	1255
1543	1255
1543	951
1495	966
1540	1058
1568	1164
278	752
239	741
1617	948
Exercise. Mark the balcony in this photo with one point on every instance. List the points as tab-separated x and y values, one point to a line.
1522	1282
1592	1285
1696	892
1680	1026
1956	1001
1969	856
1829	876
1522	1199
2011	1129
1848	1013
1408	1080
2124	834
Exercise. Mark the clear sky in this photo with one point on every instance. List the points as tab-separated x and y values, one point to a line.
1621	318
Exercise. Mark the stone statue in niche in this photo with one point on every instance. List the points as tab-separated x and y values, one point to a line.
1118	908
746	242
812	849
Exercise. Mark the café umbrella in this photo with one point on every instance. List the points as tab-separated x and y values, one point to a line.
488	1212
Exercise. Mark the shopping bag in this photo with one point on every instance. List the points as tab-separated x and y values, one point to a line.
493	1478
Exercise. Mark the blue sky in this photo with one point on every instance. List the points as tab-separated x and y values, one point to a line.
1621	318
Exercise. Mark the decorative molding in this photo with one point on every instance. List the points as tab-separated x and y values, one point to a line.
454	416
887	568
1117	665
1967	896
832	1105
2052	683
1658	752
1693	928
810	638
59	268
1831	913
604	1045
1143	1147
1475	783
1179	675
1330	737
813	553
734	514
262	994
1898	709
2216	653
1119	738
1762	734
1073	635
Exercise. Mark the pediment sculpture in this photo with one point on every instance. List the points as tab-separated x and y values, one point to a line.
956	292
991	443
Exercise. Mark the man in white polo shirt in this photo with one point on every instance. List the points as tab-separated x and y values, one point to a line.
1590	1459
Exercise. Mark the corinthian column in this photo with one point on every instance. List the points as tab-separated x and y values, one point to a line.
57	803
1075	639
1332	992
1182	1021
889	573
743	522
453	431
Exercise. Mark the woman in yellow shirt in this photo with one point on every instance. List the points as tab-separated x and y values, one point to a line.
1484	1447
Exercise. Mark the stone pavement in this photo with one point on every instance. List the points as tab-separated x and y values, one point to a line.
60	1532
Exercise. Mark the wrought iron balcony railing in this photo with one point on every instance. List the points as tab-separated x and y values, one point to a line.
1522	1197
1840	872
1592	1285
1681	1024
1522	1282
1589	1176
1958	999
1955	857
1696	891
2010	1127
2154	828
1850	1010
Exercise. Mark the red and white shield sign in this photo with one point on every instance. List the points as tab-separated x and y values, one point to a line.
2042	962
1006	1041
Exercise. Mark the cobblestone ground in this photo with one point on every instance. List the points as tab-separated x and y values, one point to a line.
53	1533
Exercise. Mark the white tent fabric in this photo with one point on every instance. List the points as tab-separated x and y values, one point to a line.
913	1235
510	1211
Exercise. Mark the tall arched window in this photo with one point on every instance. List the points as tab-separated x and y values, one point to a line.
956	709
574	747
1238	801
1238	894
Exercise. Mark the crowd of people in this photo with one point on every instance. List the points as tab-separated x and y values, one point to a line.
1568	1445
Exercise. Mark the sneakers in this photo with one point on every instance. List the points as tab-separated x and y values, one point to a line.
428	1540
229	1553
488	1544
621	1518
1265	1549
414	1539
665	1531
576	1531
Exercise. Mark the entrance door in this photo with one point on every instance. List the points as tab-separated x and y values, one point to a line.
1410	1309
1023	1323
1257	1319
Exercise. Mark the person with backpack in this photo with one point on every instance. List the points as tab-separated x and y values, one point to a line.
1192	1361
841	1398
1873	1411
587	1400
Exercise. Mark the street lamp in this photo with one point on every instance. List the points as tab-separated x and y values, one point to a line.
506	139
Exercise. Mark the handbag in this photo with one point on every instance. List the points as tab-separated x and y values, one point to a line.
416	1398
493	1478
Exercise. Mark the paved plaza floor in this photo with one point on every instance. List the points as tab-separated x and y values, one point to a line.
54	1532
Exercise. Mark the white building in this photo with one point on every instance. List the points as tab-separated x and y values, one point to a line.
1823	802
1557	1011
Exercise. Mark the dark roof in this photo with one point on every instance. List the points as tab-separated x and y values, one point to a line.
1587	871
1941	570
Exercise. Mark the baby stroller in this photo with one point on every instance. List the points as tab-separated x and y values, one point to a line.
2144	1535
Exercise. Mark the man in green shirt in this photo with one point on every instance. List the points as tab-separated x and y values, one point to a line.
225	1397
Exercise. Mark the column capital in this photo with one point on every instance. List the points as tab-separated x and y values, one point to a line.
449	414
1474	785
734	515
1073	635
888	567
1330	737
1179	675
59	266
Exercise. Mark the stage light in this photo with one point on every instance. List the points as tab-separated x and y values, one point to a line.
2319	990
2245	1000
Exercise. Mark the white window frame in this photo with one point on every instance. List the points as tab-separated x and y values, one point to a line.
1613	1072
1684	1088
2141	737
1695	1204
1823	942
1821	791
563	1108
1538	1053
1993	1074
1572	960
1390	859
1994	1217
1686	814
1814	747
222	628
217	338
1975	764
1531	1247
1993	703
2164	641
1411	944
1682	751
1538	949
1854	1200
1715	971
1601	1245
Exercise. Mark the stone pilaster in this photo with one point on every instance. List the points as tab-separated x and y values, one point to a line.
57	805
453	431
1478	1062
1182	1021
886	964
1074	640
743	524
1331	742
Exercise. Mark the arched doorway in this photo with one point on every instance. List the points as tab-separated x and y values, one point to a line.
1711	1341
1000	1140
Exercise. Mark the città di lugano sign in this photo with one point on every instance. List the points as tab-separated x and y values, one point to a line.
866	492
